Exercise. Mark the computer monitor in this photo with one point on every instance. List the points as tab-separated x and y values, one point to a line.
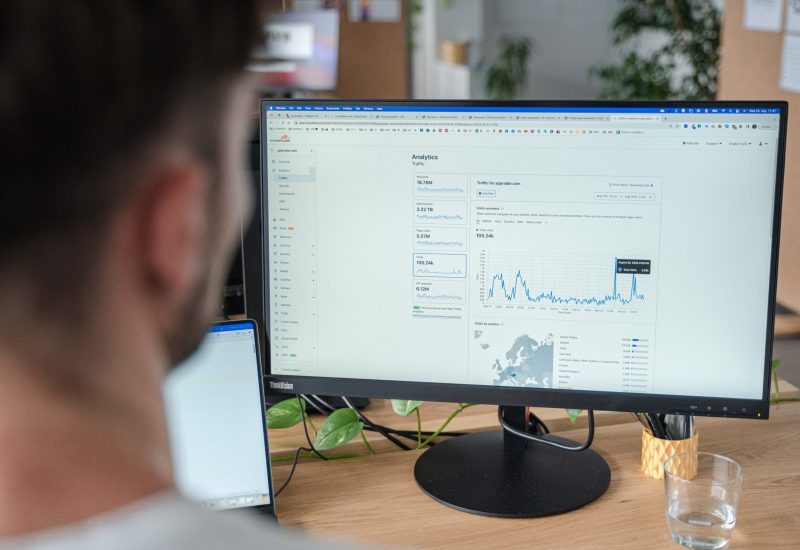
299	52
593	255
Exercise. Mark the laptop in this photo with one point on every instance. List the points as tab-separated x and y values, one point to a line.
216	422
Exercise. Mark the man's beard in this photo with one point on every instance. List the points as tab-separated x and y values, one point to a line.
192	323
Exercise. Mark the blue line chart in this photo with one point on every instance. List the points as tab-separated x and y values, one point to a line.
519	289
440	217
440	297
440	244
452	273
439	190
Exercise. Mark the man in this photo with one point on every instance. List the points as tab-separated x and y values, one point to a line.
120	130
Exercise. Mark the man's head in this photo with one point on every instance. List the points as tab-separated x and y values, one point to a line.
119	130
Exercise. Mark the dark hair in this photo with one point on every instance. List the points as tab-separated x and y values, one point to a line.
84	86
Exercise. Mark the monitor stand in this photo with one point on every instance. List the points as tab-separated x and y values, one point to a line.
497	473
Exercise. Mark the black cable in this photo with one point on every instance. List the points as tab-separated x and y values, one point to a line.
376	427
309	399
405	434
410	434
536	424
291	472
305	429
322	405
319	404
525	435
300	449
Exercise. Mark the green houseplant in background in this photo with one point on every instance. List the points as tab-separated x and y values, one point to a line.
507	73
682	65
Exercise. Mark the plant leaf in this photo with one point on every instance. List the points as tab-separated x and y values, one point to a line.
339	428
404	407
573	414
285	414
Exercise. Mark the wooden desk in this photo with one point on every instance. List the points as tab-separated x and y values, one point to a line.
374	499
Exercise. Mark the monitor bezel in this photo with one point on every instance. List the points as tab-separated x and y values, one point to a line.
504	395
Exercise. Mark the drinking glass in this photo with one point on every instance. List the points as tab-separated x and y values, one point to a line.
701	498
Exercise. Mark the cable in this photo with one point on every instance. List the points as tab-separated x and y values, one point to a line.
325	408
320	406
383	431
305	429
291	472
525	435
536	424
410	434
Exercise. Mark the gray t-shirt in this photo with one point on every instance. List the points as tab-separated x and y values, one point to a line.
165	521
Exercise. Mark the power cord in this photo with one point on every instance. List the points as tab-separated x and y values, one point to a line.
305	430
536	424
291	472
530	437
380	429
312	449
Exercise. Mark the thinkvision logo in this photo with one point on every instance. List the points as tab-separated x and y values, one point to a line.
281	385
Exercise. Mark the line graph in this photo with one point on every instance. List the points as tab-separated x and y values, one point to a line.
439	218
551	279
442	297
447	266
439	291
440	190
454	272
439	244
440	237
439	212
444	185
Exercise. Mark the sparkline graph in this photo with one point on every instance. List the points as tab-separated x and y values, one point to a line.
449	266
451	273
440	244
441	291
441	190
439	218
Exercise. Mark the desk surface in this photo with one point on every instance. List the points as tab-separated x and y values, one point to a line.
374	499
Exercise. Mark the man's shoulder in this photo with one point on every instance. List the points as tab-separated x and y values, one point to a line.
163	521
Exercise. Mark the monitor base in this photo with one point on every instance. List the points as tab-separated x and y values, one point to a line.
481	474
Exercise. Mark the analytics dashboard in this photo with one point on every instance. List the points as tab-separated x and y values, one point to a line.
587	248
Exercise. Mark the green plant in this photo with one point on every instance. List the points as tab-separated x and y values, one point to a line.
692	29
507	74
343	425
414	8
775	389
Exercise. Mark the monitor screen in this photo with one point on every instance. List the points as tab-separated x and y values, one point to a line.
215	421
593	250
299	52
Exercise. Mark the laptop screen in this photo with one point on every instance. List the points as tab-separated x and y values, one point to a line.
215	420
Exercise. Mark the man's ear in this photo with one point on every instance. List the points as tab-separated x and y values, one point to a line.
172	222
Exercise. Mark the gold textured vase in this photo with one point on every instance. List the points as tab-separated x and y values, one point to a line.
655	451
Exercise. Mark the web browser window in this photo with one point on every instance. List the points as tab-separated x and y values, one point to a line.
608	249
215	422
